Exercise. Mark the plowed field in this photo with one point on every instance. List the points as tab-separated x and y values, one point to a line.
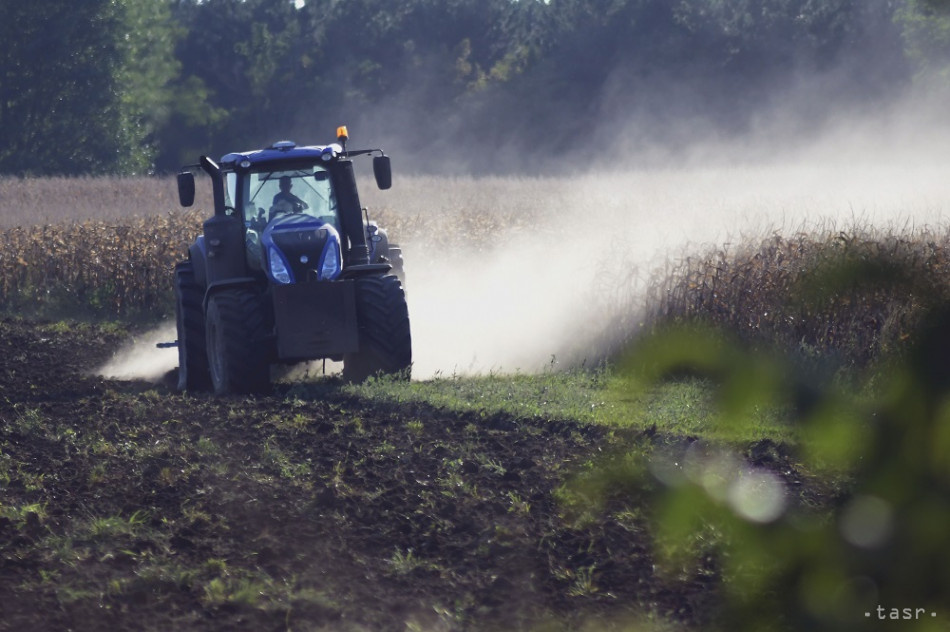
127	506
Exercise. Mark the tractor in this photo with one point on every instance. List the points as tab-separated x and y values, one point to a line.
289	269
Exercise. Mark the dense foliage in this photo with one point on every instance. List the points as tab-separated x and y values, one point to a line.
128	86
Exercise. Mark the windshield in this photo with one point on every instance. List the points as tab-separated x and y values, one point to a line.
307	191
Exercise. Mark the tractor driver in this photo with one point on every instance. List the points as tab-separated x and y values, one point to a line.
286	196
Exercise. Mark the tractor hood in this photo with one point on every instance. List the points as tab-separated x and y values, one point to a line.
299	248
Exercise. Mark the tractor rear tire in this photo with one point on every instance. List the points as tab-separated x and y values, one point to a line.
384	337
235	327
193	372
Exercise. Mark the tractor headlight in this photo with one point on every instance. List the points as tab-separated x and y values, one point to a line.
278	268
330	267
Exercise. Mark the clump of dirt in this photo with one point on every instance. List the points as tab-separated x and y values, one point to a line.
128	505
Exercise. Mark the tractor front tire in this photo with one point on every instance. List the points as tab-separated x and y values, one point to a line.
384	337
193	372
234	330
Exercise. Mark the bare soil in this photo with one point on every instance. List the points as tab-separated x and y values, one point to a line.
128	506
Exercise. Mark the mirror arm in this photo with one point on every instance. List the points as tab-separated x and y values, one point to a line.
363	152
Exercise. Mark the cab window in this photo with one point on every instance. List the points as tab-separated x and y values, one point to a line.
307	191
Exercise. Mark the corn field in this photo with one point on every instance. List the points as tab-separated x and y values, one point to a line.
856	296
95	267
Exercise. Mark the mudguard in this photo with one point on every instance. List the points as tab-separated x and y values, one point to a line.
198	254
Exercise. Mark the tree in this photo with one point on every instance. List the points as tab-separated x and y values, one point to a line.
528	75
147	36
84	86
244	76
58	64
926	30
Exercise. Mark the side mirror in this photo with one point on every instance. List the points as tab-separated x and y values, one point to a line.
186	188
383	172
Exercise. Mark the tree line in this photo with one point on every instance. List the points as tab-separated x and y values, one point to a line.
141	86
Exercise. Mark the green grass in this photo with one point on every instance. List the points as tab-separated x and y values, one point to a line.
682	408
689	408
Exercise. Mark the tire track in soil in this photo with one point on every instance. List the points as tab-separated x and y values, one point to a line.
345	515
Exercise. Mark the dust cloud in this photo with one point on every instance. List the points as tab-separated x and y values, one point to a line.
539	295
141	359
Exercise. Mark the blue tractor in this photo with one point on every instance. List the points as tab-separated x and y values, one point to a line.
288	271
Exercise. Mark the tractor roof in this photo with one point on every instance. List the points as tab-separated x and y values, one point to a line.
282	151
